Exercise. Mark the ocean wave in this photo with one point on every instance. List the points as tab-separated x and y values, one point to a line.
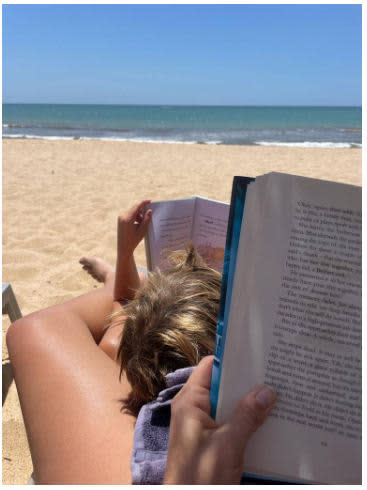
108	138
36	137
218	142
135	140
16	125
61	127
150	140
309	144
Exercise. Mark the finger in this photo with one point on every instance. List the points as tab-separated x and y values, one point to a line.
139	217
133	212
250	414
195	398
138	209
146	219
201	375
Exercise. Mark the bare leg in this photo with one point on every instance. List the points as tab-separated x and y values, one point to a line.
69	392
112	335
100	270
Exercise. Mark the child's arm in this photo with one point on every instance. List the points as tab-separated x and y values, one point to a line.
131	229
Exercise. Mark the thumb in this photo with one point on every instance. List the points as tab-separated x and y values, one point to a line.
250	414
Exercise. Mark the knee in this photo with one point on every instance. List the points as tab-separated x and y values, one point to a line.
109	345
25	334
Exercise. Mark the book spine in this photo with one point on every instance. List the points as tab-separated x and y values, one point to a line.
236	211
148	254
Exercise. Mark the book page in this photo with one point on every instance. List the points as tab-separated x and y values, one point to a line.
209	230
169	230
295	324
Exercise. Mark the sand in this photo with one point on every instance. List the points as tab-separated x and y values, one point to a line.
61	200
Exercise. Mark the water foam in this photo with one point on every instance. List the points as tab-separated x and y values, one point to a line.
309	144
108	138
135	140
36	137
300	144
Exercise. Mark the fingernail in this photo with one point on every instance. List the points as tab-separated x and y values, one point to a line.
266	396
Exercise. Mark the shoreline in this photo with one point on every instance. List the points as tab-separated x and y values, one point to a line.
285	144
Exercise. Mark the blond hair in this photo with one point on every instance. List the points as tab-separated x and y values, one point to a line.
170	324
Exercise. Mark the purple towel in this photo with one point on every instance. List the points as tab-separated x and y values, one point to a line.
149	454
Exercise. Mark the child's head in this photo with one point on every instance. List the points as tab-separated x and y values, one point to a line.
169	325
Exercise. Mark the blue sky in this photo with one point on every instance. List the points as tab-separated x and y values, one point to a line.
183	54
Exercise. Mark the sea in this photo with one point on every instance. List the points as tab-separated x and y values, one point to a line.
324	127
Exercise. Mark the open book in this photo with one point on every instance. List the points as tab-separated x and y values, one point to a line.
290	317
176	223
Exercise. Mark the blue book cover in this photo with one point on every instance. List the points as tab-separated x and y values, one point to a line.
237	205
236	214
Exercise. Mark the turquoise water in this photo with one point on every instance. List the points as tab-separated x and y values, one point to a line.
292	126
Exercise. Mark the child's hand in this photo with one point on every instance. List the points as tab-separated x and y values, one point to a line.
132	227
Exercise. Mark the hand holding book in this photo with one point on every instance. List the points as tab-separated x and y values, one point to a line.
201	451
132	227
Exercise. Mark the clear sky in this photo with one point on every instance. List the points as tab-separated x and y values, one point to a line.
183	54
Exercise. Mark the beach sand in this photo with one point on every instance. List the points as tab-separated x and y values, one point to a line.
61	200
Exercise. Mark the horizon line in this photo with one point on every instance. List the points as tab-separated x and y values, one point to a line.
183	105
